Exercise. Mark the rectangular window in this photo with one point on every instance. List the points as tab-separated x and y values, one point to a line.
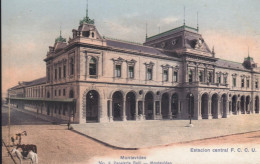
190	76
59	72
64	92
234	82
149	74
256	84
59	92
175	76
210	80
118	71
247	83
55	74
219	79
201	76
64	71
55	93
131	72
225	80
165	75
242	83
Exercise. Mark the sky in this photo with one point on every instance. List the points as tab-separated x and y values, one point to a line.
29	27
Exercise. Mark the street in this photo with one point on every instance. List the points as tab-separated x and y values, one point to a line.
56	144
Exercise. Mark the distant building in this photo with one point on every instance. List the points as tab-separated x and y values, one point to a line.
173	75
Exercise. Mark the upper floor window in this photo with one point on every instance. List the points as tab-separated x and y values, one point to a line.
59	72
201	76
175	76
64	92
149	70
55	93
59	92
64	71
190	76
118	71
234	81
131	72
219	78
247	83
165	75
149	73
225	79
118	67
55	74
71	66
93	66
210	77
242	83
256	83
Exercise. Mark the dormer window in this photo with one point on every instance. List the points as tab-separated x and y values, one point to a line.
85	33
93	35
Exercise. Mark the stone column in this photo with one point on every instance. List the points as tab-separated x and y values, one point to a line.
179	109
245	106
199	110
219	114
252	106
209	110
170	107
143	110
136	110
124	108
238	110
111	111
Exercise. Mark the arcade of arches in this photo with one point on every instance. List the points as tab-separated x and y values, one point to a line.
128	106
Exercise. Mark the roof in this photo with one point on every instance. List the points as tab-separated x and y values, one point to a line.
171	31
35	82
44	99
133	47
230	64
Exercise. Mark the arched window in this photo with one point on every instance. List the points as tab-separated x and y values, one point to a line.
71	94
93	66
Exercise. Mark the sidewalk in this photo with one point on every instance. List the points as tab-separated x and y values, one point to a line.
142	134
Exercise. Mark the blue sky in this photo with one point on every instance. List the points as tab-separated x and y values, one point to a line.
29	27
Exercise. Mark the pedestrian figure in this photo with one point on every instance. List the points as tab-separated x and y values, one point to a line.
68	125
12	139
17	152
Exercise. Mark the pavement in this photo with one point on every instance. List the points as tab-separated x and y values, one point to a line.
145	134
151	133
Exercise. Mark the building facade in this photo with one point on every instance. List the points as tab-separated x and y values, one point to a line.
173	75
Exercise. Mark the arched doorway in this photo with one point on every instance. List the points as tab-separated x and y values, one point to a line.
214	106
234	104
204	106
175	104
130	105
92	106
149	106
190	99
242	104
256	104
165	105
247	110
117	106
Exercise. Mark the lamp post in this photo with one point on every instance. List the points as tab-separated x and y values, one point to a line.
190	96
